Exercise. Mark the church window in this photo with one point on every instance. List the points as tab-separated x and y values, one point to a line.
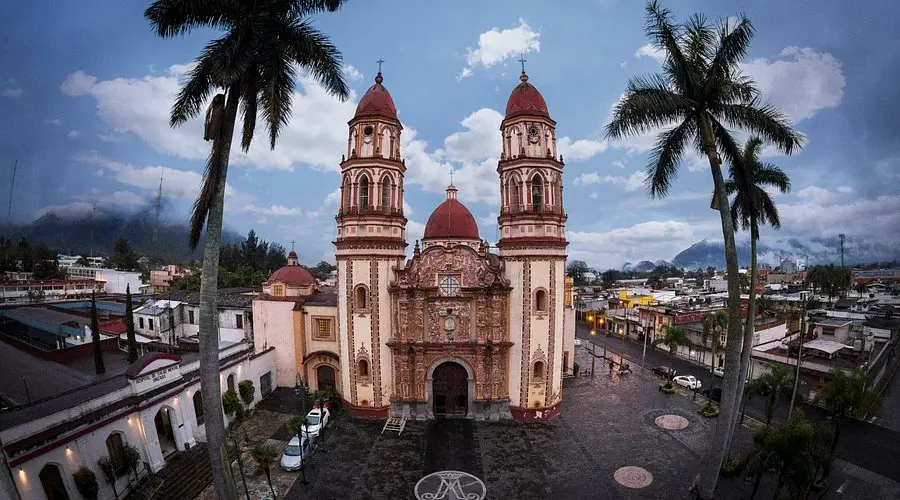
363	192
516	196
345	194
361	297
540	300
538	371
368	130
537	193
362	368
323	329
386	193
278	290
449	285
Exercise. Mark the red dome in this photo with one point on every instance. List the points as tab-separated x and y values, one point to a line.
451	219
292	255
525	100
376	102
292	275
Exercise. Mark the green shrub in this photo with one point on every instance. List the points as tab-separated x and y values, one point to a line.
576	369
245	387
132	458
709	411
86	483
667	388
230	403
733	466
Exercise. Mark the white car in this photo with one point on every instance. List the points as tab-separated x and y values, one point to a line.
577	341
296	453
317	419
689	381
719	371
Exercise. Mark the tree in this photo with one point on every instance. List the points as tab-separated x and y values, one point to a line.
129	326
848	396
254	63
713	325
95	338
675	336
576	270
123	258
610	276
774	385
266	456
699	97
108	467
752	207
83	261
86	483
132	459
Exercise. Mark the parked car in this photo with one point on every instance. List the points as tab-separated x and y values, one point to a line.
720	371
714	394
577	341
296	452
317	419
689	381
664	371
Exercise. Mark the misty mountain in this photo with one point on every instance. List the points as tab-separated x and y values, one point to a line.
641	267
813	252
96	234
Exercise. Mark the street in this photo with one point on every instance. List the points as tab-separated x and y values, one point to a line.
863	444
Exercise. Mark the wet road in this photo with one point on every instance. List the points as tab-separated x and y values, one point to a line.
863	444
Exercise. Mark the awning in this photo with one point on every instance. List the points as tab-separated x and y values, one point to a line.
828	346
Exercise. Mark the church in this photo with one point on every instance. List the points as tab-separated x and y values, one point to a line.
461	329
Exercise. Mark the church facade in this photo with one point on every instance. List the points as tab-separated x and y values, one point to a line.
460	329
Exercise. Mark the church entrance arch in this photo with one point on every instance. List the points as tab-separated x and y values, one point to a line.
325	378
450	392
165	431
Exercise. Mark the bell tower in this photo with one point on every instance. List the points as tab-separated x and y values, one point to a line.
371	242
533	244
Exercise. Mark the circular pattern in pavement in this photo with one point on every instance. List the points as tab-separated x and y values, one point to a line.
633	477
450	485
671	422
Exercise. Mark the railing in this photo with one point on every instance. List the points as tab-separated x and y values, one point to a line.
369	211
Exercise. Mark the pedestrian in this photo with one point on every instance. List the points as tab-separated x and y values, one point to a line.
612	365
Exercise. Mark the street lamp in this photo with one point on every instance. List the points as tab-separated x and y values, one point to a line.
593	350
603	320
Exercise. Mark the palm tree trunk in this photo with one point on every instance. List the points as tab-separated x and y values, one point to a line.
716	456
747	348
209	332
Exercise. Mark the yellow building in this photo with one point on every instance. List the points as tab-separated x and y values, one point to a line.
628	302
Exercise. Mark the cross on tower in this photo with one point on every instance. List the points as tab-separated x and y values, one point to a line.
380	61
451	177
292	245
522	60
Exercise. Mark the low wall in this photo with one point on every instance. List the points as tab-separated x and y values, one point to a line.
60	355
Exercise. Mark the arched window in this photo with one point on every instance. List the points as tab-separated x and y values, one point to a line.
230	382
198	408
516	201
386	194
364	192
345	193
362	368
52	482
116	450
538	372
540	301
361	297
537	193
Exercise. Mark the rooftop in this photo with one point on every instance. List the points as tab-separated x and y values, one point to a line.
30	378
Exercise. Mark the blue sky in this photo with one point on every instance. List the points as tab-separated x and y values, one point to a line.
85	89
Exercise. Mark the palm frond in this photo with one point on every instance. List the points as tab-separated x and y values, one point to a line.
769	211
698	42
768	174
233	55
732	45
765	121
314	52
216	165
725	144
665	35
193	93
663	163
170	18
303	8
648	105
249	103
276	85
734	87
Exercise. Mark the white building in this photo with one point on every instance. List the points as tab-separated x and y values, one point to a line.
113	281
176	317
23	292
155	406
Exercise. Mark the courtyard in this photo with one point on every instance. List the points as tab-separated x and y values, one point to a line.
608	442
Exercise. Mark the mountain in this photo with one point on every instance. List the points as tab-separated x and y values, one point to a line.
96	235
641	267
813	252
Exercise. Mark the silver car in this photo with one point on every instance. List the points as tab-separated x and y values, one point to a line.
296	452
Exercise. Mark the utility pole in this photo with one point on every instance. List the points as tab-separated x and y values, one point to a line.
842	236
803	306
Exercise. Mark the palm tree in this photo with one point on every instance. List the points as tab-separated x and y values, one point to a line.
713	324
774	385
266	456
129	326
752	207
254	62
99	368
675	336
700	93
848	396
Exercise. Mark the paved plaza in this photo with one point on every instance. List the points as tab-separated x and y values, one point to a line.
617	437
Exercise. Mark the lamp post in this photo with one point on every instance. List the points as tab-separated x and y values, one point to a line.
603	320
593	350
804	303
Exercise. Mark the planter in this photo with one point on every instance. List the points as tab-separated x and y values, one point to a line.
667	388
733	466
709	411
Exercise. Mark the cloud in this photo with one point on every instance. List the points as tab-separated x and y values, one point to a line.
844	189
496	46
651	240
594	196
352	73
801	82
818	214
140	106
98	202
73	134
652	51
581	149
631	183
12	92
816	195
271	210
55	121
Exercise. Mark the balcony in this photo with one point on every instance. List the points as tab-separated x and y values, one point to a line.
386	211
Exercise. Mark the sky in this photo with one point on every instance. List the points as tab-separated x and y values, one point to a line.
86	88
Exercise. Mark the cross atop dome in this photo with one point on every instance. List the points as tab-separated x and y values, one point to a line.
523	77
